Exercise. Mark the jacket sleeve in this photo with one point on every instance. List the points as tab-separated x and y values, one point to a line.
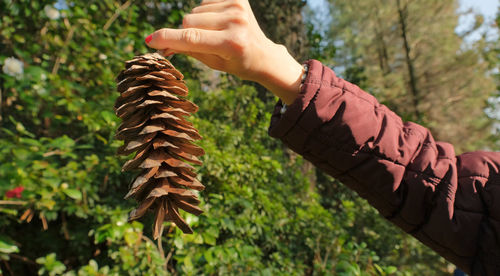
450	203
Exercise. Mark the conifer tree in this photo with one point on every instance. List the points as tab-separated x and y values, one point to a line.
412	60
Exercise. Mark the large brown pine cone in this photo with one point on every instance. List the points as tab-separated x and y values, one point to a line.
153	110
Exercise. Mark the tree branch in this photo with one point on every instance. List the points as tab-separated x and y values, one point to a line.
22	258
13	202
117	13
66	43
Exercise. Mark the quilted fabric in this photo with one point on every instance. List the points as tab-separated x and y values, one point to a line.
450	203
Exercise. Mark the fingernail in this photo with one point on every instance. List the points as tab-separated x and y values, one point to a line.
148	39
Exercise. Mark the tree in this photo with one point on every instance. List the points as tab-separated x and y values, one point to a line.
413	61
283	23
492	55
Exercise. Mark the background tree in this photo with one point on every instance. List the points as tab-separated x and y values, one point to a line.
412	60
492	55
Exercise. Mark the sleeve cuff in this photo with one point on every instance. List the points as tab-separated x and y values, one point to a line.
283	119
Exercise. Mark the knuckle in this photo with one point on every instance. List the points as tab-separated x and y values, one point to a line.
236	5
238	18
240	38
195	9
237	43
191	36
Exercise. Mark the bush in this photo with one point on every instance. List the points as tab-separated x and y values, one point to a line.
61	183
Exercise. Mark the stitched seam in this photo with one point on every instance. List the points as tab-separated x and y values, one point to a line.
435	242
466	176
376	106
428	145
381	157
417	227
344	89
432	179
409	131
379	107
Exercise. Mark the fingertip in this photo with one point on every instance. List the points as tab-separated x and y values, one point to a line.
158	39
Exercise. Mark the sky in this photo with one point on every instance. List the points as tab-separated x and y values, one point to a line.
488	8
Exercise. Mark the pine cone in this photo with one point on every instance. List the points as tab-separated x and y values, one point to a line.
153	111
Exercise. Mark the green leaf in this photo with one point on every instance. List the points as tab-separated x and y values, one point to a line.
209	239
391	269
208	256
73	193
7	245
51	265
131	237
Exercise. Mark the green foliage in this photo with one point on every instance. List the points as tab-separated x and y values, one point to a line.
65	213
50	265
56	142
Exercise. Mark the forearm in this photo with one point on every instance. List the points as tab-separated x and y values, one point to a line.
396	166
281	74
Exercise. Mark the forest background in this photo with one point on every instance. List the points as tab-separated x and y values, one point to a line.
267	211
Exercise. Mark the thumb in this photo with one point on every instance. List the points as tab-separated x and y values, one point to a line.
187	40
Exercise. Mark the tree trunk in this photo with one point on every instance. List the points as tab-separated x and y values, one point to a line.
282	22
403	14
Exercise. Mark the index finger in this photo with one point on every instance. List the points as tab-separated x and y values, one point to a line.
187	40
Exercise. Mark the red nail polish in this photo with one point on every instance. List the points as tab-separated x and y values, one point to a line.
148	39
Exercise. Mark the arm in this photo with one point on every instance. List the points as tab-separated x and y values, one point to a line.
451	204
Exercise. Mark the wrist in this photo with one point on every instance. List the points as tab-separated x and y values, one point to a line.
281	73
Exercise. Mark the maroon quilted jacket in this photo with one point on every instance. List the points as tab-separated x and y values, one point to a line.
450	203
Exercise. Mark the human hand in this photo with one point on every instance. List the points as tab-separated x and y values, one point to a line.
225	35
